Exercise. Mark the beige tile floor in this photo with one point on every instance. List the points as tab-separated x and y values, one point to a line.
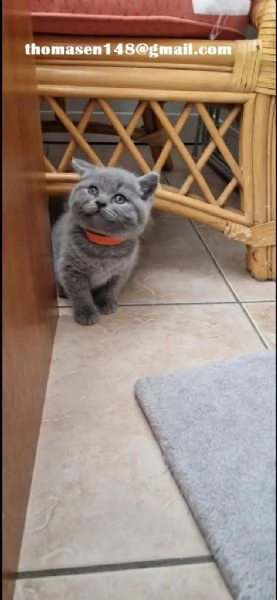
105	519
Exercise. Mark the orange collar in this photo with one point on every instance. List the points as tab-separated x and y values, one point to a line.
103	240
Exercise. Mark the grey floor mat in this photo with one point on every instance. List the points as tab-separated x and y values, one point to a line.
215	425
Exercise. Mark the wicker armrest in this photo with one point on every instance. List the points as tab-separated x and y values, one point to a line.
263	17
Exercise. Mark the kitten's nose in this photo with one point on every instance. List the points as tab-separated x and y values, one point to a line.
100	203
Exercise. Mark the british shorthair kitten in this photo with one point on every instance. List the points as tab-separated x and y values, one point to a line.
96	241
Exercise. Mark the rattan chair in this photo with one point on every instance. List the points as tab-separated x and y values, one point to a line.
243	83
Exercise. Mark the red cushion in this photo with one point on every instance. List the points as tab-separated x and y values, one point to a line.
137	18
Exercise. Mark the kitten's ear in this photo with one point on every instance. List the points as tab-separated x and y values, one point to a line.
148	184
81	166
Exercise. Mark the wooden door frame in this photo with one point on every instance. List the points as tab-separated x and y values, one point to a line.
29	299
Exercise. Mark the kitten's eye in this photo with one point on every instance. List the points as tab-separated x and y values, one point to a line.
93	190
119	199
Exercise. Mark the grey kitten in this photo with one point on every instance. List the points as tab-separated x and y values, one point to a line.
108	206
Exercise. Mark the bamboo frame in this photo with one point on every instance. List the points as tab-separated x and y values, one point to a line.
211	147
129	132
152	125
244	82
65	162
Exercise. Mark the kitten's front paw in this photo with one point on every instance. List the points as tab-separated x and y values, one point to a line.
86	315
107	306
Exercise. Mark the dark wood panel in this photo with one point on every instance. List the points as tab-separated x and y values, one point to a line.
29	304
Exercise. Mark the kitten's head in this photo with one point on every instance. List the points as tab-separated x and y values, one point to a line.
112	201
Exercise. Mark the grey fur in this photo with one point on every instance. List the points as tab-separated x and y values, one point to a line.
92	275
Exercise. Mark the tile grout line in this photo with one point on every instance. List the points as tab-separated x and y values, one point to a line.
258	301
209	303
238	301
263	338
116	567
150	304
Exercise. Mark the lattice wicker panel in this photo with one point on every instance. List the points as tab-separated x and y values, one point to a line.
162	136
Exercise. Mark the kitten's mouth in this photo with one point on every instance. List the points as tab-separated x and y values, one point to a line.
100	210
97	209
93	210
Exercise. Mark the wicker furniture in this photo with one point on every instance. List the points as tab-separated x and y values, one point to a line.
242	82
